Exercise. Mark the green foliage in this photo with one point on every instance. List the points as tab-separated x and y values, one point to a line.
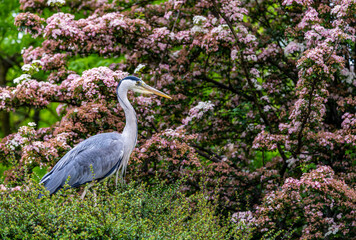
280	234
38	173
2	170
130	212
11	41
262	157
81	64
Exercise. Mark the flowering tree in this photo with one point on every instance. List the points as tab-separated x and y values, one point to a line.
262	90
11	43
317	206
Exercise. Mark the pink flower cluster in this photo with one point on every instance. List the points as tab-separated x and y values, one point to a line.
233	10
198	111
31	23
317	205
317	65
88	86
172	149
4	188
94	85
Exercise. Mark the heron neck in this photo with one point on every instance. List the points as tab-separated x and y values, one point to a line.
130	130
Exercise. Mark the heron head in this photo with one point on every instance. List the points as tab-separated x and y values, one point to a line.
137	85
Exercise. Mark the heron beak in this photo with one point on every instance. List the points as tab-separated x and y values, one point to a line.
150	89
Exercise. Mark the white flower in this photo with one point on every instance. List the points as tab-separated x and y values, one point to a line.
265	98
199	19
220	28
256	84
266	108
4	95
139	67
171	132
198	29
30	68
333	229
14	143
61	137
198	111
32	124
251	127
214	20
291	162
243	219
349	74
22	78
55	2
37	61
26	67
293	47
176	54
234	54
204	105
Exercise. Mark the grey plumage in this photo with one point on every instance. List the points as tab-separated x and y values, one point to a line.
102	155
95	158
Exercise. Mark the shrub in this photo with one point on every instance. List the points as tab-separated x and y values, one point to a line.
133	211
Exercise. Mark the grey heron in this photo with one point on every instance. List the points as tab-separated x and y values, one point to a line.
101	155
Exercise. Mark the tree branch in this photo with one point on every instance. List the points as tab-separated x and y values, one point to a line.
305	120
208	154
226	87
246	73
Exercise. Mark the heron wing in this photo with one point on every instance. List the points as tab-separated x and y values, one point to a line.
93	159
